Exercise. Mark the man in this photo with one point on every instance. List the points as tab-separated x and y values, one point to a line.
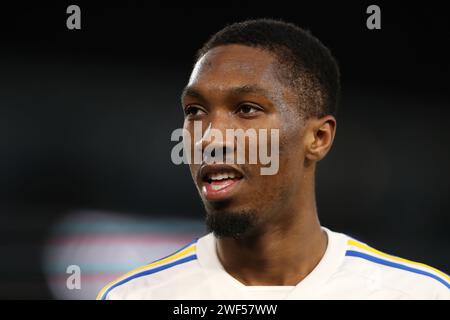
266	241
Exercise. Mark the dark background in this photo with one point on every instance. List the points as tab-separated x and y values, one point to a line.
86	118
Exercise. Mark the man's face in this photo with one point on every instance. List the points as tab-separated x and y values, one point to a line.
238	87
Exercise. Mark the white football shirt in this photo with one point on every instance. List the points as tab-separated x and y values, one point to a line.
349	269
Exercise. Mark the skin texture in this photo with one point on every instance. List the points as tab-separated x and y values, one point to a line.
286	231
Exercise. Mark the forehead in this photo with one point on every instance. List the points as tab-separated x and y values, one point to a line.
232	65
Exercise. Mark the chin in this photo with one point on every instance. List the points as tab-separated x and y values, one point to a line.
231	223
228	207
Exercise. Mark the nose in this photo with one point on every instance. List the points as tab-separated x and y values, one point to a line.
217	153
217	146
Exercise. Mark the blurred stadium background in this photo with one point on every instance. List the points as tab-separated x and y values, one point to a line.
86	118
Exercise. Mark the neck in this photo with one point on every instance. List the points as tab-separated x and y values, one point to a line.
283	252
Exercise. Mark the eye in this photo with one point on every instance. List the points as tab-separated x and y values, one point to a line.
248	109
193	111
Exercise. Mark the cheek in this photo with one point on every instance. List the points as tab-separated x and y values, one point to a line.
291	133
189	142
194	169
268	192
291	154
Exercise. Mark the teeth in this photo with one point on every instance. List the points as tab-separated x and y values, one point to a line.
222	176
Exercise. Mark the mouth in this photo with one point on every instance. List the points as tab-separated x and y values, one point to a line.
219	181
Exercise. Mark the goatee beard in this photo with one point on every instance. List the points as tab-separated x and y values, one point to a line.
230	224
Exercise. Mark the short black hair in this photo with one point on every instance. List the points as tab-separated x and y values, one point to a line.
306	63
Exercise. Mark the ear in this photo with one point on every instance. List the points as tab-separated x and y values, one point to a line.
319	136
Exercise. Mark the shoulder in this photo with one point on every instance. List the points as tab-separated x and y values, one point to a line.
385	272
131	285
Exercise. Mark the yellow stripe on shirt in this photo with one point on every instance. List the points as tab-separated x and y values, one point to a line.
372	250
150	265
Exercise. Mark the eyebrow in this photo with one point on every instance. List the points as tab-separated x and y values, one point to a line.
233	91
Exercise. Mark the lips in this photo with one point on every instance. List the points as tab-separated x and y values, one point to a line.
219	181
